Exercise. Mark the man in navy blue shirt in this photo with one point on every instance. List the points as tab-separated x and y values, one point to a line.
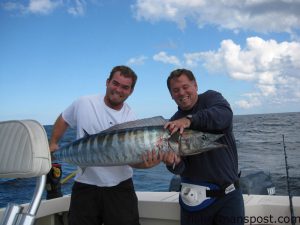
210	191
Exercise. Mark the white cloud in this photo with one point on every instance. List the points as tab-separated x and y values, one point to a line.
250	100
137	60
33	6
260	16
12	6
249	103
78	8
165	58
272	67
45	7
42	6
173	10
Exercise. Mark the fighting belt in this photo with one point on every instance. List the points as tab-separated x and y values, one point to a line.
197	196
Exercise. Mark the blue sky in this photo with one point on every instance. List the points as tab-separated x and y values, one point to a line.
53	51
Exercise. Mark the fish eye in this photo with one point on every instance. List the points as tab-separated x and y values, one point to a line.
204	137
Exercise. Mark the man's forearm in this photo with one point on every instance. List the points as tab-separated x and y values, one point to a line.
59	128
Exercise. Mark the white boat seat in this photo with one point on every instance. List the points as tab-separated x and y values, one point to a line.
24	149
24	153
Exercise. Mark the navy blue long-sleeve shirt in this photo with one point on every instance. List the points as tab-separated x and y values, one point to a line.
213	114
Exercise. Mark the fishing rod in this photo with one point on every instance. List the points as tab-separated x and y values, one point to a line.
288	182
68	177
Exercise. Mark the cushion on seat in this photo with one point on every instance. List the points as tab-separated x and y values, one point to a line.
24	149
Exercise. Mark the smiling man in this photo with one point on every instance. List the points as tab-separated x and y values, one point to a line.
210	192
102	195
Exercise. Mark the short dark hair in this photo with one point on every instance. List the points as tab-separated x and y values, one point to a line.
177	73
126	72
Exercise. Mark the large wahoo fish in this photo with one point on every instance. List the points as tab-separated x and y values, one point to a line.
126	143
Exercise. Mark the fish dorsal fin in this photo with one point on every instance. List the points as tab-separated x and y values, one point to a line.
86	134
147	122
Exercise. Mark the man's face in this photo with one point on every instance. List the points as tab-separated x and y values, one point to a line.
184	92
118	90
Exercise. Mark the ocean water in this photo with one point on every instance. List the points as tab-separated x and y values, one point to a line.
260	148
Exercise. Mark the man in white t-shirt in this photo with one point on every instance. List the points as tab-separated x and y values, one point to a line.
103	194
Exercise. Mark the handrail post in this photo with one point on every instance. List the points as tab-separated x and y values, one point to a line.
11	214
28	218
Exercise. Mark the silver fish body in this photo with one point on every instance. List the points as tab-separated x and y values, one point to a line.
126	143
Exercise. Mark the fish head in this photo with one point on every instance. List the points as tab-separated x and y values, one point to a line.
194	142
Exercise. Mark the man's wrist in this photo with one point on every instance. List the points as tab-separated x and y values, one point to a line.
190	119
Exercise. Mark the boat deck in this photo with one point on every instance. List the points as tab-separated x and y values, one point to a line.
162	208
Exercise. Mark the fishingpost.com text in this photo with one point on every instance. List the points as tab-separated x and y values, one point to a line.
254	220
251	220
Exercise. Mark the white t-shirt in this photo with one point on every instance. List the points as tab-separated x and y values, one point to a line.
91	114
